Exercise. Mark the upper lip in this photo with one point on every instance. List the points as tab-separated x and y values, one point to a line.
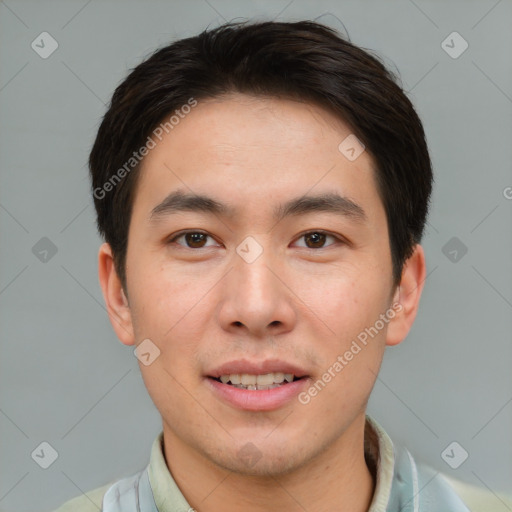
256	368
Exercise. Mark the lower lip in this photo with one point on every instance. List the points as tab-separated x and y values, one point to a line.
258	399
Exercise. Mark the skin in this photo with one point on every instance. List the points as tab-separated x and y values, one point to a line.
204	306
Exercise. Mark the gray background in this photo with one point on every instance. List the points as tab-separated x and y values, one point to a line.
67	380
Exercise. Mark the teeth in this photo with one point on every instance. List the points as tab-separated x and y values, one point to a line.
248	381
265	380
256	387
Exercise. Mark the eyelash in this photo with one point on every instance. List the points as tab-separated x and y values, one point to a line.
315	231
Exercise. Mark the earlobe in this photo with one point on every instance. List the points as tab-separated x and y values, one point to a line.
407	297
115	299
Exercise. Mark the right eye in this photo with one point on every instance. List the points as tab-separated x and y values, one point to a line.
192	239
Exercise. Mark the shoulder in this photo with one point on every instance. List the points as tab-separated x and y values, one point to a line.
89	502
417	486
478	499
475	498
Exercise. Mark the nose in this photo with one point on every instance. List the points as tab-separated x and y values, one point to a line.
256	298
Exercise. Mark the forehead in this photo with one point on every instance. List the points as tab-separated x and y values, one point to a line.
249	122
255	149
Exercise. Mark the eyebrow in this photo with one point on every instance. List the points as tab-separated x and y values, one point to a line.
179	201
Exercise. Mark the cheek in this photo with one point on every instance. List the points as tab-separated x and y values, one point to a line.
347	300
352	355
350	307
164	297
167	312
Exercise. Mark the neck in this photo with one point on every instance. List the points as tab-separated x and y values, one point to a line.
336	480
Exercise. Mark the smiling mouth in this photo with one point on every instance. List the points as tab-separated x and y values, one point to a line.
258	382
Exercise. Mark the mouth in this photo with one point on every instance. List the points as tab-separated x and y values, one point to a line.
262	386
251	382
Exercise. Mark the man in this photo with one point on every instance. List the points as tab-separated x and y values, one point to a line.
262	190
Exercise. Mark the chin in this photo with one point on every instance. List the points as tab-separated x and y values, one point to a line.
266	466
251	460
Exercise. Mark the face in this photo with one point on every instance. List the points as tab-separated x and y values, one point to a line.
278	269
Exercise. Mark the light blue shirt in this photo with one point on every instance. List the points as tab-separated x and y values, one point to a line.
402	485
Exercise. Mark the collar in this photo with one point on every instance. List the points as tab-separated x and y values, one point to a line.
380	459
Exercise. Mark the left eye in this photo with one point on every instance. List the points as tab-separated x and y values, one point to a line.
197	239
315	239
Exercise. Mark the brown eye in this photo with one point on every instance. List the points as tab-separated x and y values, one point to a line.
195	240
192	240
317	240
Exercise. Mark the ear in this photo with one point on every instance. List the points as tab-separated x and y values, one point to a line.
115	299
407	297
